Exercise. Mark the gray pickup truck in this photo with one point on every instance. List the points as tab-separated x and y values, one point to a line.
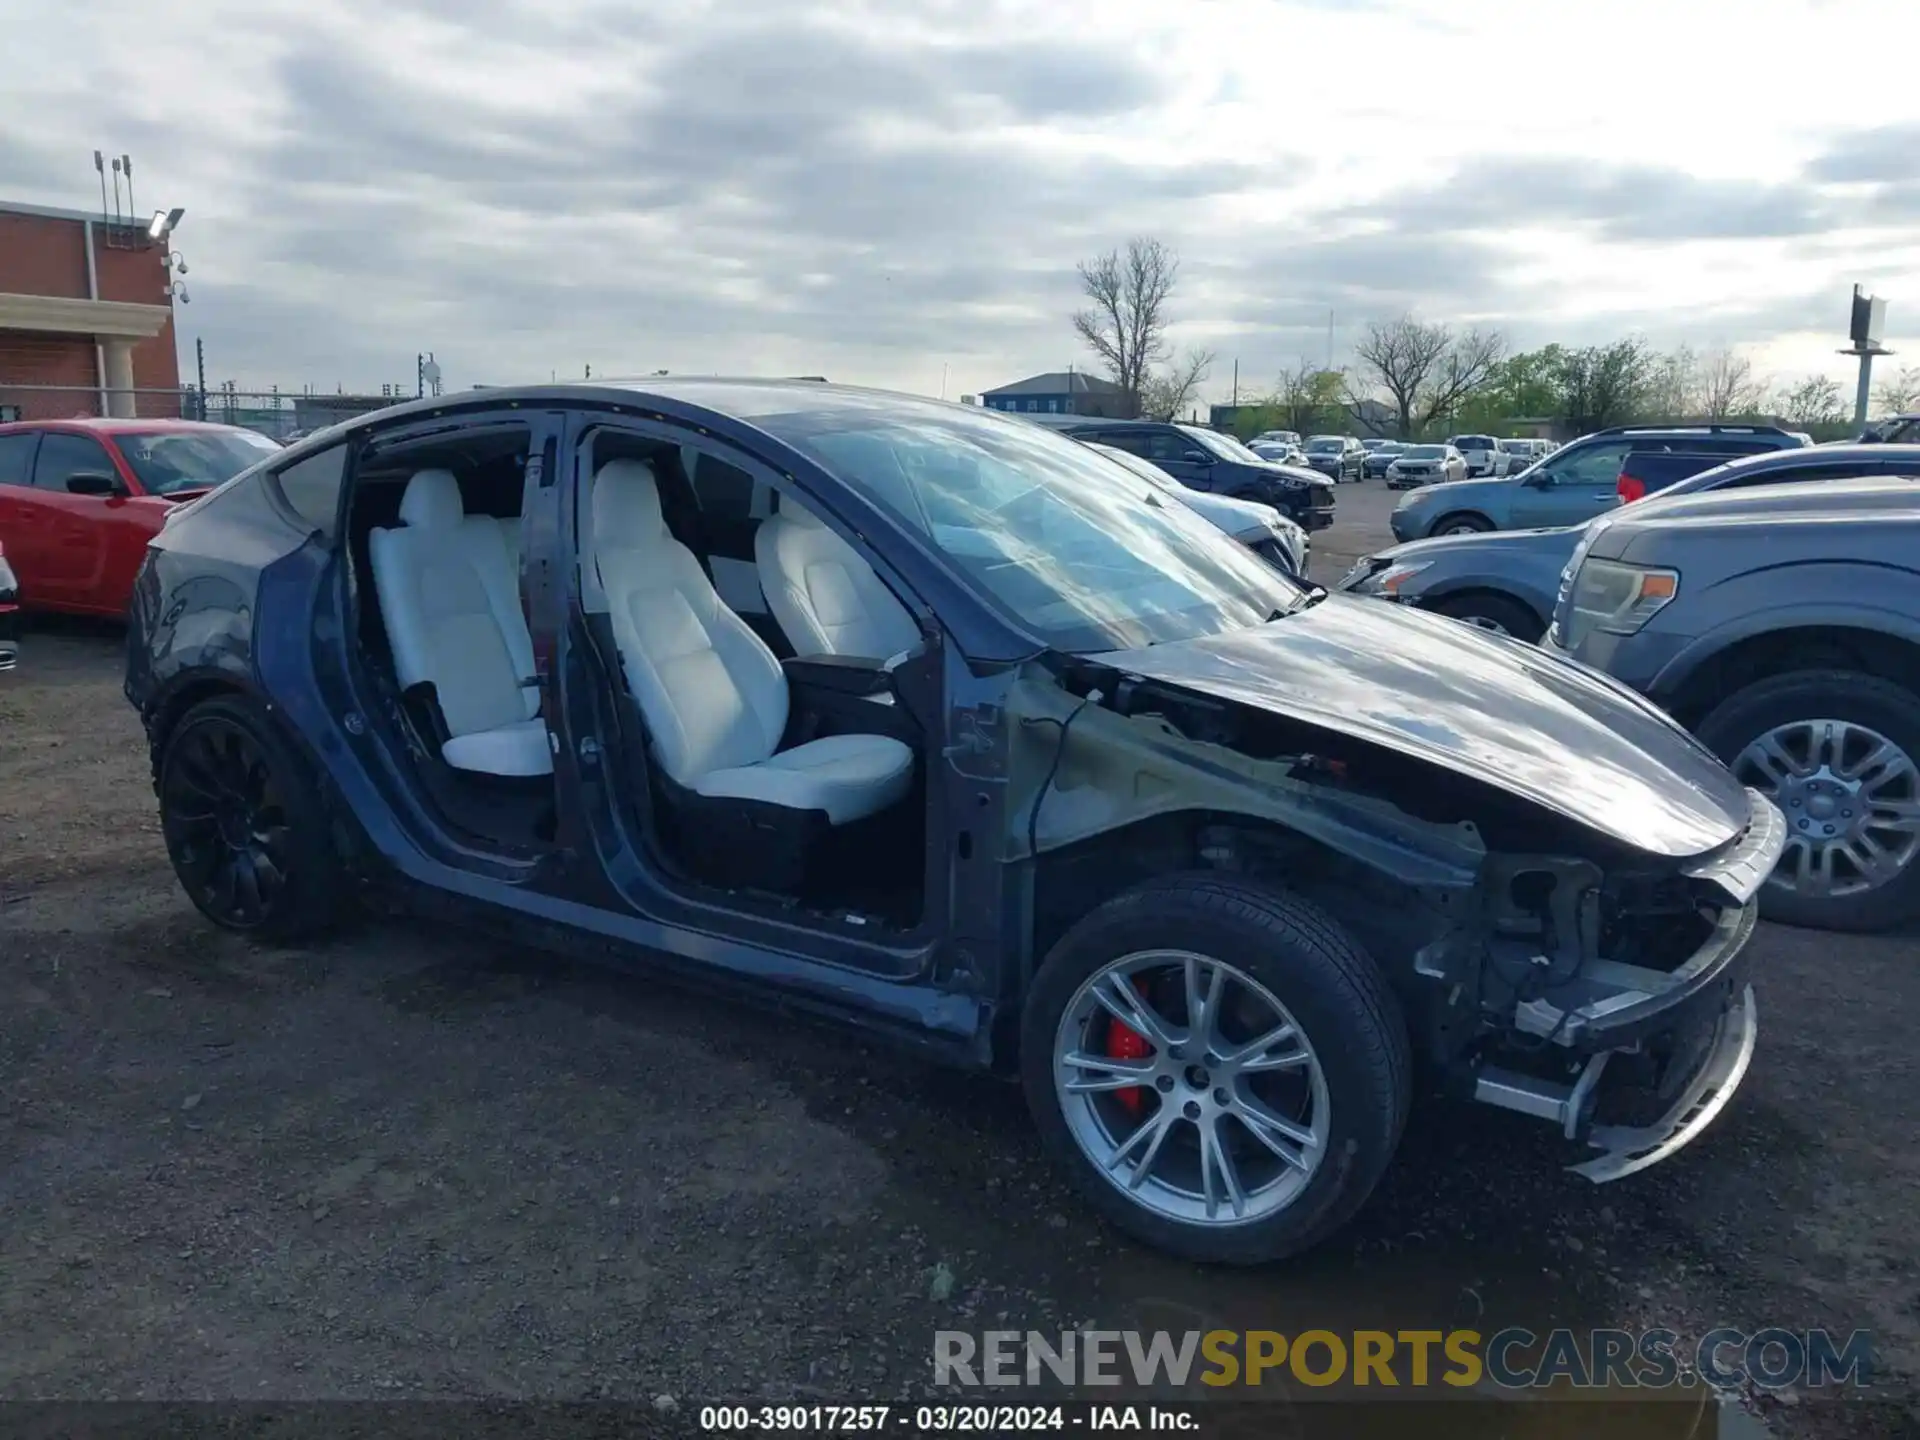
1782	626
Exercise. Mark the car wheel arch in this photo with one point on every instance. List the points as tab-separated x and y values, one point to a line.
1460	595
1760	648
1075	880
1453	517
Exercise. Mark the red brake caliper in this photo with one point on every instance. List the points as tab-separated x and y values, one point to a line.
1126	1043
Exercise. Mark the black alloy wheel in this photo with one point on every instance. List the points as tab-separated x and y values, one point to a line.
242	824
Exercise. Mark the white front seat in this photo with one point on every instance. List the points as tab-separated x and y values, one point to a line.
712	694
452	611
825	596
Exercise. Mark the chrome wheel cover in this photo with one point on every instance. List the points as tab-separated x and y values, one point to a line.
1852	801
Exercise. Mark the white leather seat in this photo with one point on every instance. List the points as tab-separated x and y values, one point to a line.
450	600
712	694
825	596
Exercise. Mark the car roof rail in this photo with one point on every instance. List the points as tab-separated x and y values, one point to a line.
1705	427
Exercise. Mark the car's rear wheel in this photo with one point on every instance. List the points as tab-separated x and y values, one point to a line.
1839	753
1492	612
1462	525
1220	1068
243	824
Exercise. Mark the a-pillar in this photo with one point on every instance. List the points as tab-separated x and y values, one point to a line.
118	380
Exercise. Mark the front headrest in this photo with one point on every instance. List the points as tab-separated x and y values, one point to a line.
794	513
432	501
626	505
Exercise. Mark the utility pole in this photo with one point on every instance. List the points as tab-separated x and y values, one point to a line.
1329	340
1236	382
200	367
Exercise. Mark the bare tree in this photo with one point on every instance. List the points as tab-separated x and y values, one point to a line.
1673	385
1125	323
1306	395
1898	393
1165	393
1814	401
1424	370
1729	387
1468	363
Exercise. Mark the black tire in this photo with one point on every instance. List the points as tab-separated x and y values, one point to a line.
1327	982
1849	695
227	759
1463	522
1493	612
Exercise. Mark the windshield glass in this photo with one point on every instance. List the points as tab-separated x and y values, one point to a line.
168	462
1390	447
1322	446
1225	446
1473	442
1423	452
1065	545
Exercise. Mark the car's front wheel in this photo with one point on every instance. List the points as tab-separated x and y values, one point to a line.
1839	753
1463	525
1497	613
1222	1070
243	824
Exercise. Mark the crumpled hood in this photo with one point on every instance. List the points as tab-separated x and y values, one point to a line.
1505	713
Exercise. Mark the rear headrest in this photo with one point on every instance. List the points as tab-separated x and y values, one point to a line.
432	501
626	506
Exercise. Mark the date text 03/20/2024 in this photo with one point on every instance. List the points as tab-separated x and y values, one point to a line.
942	1419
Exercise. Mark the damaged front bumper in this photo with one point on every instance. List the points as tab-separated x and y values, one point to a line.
1703	1011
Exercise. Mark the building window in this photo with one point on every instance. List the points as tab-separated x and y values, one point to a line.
1053	407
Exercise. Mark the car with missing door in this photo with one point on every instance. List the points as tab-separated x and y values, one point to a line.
1507	581
79	499
927	721
1572	485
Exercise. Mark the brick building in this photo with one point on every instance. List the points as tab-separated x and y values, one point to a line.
84	305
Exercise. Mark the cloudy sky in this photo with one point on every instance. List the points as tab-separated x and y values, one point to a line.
889	191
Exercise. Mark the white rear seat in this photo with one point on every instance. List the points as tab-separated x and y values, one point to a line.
449	597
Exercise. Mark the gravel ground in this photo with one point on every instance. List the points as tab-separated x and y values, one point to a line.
415	1164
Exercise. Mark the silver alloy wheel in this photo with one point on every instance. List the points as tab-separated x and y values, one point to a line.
1852	801
1229	1112
1461	528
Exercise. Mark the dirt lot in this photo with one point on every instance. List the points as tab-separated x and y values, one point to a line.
414	1164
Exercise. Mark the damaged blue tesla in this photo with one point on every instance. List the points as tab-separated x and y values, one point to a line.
934	723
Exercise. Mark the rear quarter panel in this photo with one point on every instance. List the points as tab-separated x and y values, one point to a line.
195	601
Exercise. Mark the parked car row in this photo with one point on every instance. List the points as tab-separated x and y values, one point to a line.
1207	461
932	722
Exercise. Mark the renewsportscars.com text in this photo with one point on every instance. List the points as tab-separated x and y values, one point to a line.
1513	1358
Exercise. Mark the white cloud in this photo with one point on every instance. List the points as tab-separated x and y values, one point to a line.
875	190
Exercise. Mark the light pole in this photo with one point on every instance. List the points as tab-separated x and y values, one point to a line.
1869	322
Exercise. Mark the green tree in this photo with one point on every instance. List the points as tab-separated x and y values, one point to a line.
1603	385
1814	402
